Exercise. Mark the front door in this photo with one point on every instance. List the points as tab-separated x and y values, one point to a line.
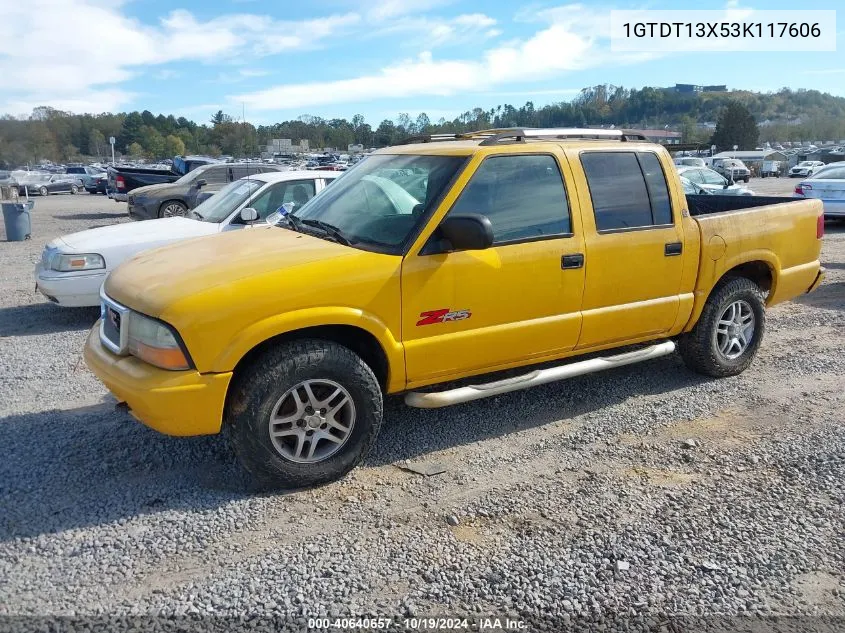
634	248
474	311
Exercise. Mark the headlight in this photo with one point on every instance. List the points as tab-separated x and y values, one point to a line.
86	261
155	343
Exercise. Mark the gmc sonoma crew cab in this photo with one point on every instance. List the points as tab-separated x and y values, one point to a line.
438	262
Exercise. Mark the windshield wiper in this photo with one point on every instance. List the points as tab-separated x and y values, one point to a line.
292	221
199	216
331	230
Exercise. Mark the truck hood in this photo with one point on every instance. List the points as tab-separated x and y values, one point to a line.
153	280
149	232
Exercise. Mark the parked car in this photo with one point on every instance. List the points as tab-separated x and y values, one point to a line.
805	168
289	337
732	169
122	180
52	183
827	185
176	199
711	181
690	161
87	174
97	184
72	268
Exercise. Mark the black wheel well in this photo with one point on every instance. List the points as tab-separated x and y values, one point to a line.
756	271
354	338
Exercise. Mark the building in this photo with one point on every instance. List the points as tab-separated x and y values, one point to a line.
666	137
285	147
693	89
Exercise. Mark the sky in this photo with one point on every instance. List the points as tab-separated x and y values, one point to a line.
274	60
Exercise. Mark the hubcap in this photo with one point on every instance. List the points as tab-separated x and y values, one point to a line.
735	330
312	421
173	210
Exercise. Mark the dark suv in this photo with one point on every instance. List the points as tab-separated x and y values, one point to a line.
176	198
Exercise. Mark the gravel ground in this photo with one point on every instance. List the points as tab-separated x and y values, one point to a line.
643	492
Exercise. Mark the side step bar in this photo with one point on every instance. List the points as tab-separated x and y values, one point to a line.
437	399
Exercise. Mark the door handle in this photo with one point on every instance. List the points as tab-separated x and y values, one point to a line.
673	248
568	262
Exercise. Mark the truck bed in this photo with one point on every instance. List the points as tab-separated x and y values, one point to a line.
704	205
775	233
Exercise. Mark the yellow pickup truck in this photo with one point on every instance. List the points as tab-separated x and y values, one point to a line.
438	262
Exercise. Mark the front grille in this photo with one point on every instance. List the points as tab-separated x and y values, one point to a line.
111	325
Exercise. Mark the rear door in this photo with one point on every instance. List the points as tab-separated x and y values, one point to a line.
472	311
634	247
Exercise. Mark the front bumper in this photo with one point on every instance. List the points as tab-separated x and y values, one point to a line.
182	403
71	290
139	211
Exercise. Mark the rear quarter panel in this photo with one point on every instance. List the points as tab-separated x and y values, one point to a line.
783	236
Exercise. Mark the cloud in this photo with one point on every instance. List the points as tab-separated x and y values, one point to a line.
573	39
430	32
52	51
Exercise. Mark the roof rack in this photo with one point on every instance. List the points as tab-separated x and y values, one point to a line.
519	135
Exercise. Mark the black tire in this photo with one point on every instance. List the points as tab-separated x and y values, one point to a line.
44	191
258	387
74	189
699	348
178	209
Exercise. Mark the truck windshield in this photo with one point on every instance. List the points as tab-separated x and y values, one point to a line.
220	206
377	204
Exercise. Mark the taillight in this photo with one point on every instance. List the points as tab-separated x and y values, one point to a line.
800	189
820	227
121	183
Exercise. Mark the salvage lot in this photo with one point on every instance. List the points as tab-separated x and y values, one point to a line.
648	488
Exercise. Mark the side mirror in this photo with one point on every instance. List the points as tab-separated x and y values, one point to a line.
467	232
248	214
202	182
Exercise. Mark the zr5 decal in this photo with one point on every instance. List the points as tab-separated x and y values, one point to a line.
443	316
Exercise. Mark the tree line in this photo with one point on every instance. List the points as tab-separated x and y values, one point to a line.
55	135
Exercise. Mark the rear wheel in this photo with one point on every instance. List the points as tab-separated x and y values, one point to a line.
729	330
74	189
44	191
172	208
303	413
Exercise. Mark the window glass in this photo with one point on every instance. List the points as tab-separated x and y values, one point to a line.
834	173
523	196
655	181
216	175
296	192
219	206
618	190
710	177
378	202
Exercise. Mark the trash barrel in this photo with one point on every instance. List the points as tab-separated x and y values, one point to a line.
17	220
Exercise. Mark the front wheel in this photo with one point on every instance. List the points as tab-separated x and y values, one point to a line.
173	208
44	191
74	189
729	330
303	414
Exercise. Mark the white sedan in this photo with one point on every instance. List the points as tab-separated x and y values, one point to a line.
827	185
713	182
73	267
805	168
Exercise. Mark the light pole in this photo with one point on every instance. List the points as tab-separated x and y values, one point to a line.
111	142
